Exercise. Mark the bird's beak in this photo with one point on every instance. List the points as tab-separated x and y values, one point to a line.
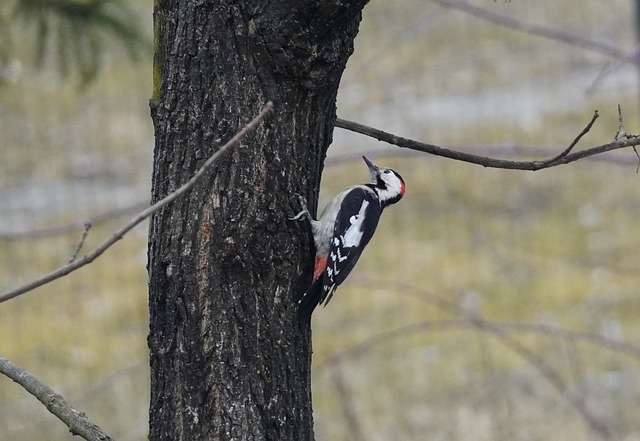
373	169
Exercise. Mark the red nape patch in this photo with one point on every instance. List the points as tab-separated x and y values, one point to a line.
402	188
321	265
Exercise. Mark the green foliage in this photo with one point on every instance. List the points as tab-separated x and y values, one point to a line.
72	35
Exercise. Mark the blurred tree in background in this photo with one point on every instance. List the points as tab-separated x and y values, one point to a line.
71	35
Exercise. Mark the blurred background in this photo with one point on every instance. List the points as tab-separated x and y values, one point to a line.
491	305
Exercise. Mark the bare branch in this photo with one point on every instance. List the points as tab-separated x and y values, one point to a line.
553	377
550	331
629	57
88	258
538	362
76	421
501	332
564	158
507	150
532	328
542	31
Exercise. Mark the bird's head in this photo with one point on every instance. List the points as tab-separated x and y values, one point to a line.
387	183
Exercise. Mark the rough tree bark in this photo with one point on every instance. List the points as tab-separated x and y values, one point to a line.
228	358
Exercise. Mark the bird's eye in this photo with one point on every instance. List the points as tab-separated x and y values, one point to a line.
387	171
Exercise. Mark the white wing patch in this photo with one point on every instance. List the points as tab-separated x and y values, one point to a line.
353	234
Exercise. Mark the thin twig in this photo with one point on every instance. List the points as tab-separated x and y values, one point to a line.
87	227
116	236
76	421
483	160
621	134
577	139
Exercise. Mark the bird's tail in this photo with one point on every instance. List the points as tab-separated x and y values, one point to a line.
310	299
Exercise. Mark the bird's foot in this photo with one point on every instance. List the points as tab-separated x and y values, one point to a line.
305	209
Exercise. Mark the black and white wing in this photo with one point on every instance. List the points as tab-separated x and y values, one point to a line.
359	215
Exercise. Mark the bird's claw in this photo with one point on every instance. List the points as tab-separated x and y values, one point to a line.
305	209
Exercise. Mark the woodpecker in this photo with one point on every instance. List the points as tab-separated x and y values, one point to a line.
344	229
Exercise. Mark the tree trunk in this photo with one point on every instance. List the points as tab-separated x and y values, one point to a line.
228	357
